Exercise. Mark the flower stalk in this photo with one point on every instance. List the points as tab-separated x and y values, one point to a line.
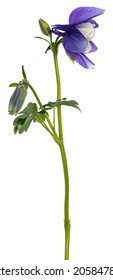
64	158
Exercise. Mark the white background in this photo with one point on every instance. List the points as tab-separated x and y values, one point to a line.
31	177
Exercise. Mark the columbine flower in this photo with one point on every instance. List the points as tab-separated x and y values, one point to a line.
17	99
78	34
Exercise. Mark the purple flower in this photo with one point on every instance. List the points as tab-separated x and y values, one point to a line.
78	34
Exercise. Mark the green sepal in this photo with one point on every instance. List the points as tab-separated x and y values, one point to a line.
24	73
71	59
45	28
13	85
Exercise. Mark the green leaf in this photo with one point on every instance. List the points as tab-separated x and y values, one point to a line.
30	109
23	121
25	125
25	117
23	73
71	103
19	120
13	85
61	102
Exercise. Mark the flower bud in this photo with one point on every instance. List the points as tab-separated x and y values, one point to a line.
44	26
17	99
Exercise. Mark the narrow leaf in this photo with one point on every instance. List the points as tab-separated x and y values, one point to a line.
37	37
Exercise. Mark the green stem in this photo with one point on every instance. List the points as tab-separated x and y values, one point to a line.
59	110
64	159
52	132
54	118
36	96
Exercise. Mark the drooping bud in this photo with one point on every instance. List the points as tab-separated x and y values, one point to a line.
17	99
44	26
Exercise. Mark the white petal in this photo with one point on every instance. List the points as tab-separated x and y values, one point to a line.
88	48
87	29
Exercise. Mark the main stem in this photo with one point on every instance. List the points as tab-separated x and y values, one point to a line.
64	159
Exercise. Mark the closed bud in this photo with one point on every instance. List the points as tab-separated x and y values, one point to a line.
17	99
45	28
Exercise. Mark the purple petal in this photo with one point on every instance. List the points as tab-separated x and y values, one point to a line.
94	48
84	61
64	27
95	24
15	95
81	59
57	32
83	14
75	42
